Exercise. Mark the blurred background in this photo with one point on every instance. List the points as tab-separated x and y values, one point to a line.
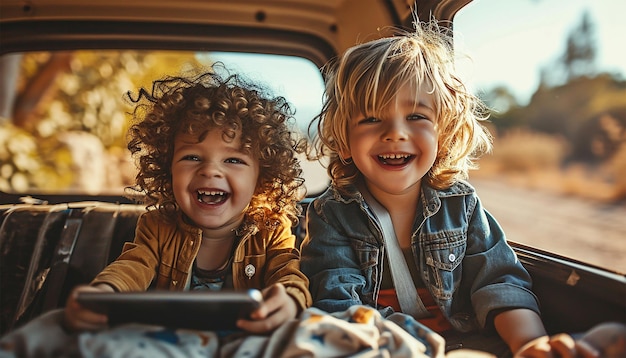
554	74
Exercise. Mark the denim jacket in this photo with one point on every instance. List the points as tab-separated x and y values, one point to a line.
459	249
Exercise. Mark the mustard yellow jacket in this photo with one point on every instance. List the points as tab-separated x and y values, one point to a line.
167	250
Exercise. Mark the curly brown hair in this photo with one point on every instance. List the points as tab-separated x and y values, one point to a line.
197	105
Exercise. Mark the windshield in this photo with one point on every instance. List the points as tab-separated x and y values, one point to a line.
64	115
554	74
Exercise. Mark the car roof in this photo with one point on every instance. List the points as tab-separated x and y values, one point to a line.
313	29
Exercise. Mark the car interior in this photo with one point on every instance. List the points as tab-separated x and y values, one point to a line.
52	240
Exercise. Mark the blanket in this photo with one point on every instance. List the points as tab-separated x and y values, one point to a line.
357	332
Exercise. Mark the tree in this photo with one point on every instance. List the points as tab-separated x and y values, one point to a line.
580	51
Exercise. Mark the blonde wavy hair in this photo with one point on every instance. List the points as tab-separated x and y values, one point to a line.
197	105
367	77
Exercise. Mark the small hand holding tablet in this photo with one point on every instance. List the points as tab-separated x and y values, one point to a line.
203	310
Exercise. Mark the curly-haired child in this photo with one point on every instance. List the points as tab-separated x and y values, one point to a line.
401	131
218	171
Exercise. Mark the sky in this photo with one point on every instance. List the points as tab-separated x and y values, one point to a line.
509	40
297	79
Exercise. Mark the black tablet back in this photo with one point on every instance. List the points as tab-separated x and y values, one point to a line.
203	310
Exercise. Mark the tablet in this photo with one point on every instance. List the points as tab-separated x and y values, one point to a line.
203	310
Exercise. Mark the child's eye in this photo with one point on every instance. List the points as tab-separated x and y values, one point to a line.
417	117
191	157
368	120
234	161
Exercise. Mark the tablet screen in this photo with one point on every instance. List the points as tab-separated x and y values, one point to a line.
203	310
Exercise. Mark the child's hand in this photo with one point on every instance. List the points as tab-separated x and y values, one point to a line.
78	318
277	308
560	345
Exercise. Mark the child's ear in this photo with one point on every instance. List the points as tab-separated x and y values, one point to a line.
346	161
344	155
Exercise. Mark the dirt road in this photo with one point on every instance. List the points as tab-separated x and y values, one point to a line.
576	228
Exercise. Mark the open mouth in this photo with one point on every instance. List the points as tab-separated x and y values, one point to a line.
212	197
395	159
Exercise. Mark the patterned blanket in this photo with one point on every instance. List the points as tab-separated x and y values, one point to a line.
357	332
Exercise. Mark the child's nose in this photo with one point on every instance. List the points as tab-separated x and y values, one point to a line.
395	131
211	169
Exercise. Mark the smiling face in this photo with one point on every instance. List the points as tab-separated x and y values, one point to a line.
395	150
213	181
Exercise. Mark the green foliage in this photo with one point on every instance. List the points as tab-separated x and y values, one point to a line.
72	93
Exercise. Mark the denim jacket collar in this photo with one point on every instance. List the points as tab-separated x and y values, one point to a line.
430	197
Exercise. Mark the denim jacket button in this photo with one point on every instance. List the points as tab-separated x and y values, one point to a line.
451	257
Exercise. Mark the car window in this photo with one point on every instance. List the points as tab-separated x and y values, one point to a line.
64	114
554	75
